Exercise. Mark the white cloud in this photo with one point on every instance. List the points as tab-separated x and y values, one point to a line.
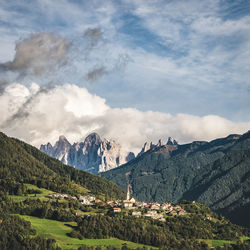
38	116
203	54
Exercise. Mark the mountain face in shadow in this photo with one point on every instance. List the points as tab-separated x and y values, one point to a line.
216	173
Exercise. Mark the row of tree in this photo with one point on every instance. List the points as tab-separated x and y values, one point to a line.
152	232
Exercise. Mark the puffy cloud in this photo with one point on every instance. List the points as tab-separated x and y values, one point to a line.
73	111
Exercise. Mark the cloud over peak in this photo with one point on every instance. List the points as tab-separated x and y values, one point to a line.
73	111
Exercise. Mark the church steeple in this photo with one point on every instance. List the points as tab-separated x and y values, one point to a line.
128	194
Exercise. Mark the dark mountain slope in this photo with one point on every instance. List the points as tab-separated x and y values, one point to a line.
216	173
22	163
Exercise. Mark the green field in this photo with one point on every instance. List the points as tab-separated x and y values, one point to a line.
58	230
41	196
220	243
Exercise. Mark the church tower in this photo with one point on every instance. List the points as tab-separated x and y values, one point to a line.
128	194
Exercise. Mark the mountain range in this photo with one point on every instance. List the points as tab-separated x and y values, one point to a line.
92	155
216	173
95	155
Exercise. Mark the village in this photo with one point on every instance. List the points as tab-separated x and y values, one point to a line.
154	210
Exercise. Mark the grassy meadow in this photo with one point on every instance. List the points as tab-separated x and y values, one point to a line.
58	230
44	192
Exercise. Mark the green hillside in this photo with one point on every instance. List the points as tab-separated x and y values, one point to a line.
32	218
54	226
21	163
59	230
216	173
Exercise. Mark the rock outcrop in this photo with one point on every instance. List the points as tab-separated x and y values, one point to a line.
148	146
171	141
93	155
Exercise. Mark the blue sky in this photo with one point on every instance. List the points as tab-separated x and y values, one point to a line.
172	57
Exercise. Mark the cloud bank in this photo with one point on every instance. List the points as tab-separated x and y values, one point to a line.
37	117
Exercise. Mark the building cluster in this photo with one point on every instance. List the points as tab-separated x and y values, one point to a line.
153	210
60	196
85	199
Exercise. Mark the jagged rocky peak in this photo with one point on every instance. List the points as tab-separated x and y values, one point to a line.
46	147
93	138
148	146
159	144
62	138
171	141
59	150
62	143
93	154
91	143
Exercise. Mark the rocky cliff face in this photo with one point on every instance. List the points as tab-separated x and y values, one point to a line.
93	155
148	146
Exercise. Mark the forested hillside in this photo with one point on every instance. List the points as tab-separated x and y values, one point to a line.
216	173
200	228
21	163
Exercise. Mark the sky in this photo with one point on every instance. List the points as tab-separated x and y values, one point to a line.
130	70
